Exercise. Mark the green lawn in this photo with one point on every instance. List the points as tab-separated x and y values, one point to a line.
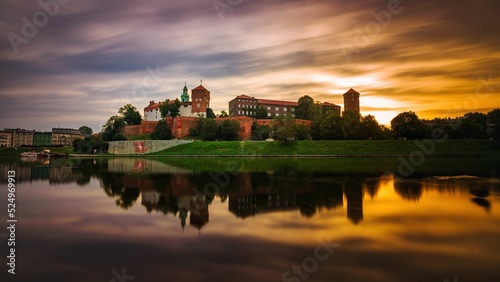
340	147
11	152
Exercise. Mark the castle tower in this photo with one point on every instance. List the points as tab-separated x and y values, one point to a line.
351	101
185	95
200	99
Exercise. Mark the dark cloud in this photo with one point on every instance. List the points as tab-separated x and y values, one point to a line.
101	50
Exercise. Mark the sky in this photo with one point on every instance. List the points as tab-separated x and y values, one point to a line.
68	63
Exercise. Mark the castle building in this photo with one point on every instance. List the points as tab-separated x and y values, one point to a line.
65	136
351	101
199	104
244	105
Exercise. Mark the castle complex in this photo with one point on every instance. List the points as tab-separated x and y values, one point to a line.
242	108
199	104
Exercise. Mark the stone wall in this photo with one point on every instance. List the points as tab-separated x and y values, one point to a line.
142	146
183	124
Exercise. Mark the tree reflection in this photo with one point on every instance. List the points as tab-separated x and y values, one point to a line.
410	190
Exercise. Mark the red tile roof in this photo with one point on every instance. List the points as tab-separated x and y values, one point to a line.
243	96
278	103
351	91
329	104
200	88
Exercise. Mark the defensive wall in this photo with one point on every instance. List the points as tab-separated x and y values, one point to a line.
183	124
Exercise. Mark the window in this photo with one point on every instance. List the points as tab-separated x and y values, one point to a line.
277	114
268	108
198	105
293	109
277	108
285	109
268	114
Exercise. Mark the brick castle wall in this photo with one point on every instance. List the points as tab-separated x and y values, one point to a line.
183	124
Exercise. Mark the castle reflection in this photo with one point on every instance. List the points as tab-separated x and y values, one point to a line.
186	194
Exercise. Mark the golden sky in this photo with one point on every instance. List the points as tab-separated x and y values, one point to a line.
85	59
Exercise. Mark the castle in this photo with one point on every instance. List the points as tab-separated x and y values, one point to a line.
199	104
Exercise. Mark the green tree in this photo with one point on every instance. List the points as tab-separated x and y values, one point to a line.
119	137
302	131
161	131
223	114
305	108
261	113
196	130
130	114
85	130
170	108
332	128
284	129
114	125
478	122
370	129
210	113
408	125
494	119
261	132
209	130
229	130
352	125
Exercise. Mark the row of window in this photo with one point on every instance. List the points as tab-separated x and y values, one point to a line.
249	113
285	109
243	100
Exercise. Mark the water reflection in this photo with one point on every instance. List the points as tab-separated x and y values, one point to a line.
83	218
169	189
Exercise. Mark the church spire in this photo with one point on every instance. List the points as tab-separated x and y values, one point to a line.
185	95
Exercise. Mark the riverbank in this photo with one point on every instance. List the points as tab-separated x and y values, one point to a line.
335	148
310	149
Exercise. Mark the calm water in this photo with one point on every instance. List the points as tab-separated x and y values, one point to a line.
253	220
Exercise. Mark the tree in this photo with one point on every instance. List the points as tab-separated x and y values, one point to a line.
352	125
370	129
119	137
170	108
114	125
480	131
305	108
261	113
85	130
196	130
261	132
209	130
229	130
223	114
408	125
332	128
210	113
161	131
494	118
302	131
130	114
284	129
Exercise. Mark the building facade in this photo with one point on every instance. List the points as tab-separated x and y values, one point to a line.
329	108
200	100
5	139
21	137
244	105
65	136
351	101
42	139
